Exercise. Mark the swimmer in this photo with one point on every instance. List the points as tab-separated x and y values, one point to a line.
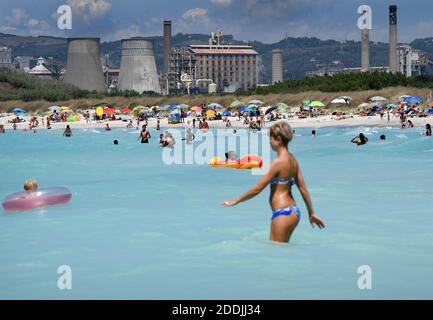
382	137
68	132
234	132
428	130
410	123
313	133
115	142
360	140
107	128
31	185
283	173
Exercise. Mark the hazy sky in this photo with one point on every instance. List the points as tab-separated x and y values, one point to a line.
264	20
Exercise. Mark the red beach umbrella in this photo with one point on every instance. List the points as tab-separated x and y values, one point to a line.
126	110
109	110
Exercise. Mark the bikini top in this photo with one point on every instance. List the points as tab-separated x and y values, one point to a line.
277	180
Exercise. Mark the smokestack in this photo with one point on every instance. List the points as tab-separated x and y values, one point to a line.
365	55
137	67
84	67
167	44
393	39
277	66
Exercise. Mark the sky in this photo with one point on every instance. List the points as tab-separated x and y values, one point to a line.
267	21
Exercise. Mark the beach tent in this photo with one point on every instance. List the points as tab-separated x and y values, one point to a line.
413	99
378	99
316	104
256	102
226	113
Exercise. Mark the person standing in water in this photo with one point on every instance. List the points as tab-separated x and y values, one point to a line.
144	135
282	175
428	130
68	132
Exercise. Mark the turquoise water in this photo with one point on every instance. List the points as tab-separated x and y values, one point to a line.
137	228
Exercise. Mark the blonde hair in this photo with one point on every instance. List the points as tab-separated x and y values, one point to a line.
283	131
30	185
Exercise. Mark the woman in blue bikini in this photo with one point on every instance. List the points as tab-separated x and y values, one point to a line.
283	173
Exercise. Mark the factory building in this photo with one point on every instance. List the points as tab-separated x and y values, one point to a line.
411	62
5	57
229	67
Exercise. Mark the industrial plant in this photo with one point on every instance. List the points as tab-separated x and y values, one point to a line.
138	67
83	67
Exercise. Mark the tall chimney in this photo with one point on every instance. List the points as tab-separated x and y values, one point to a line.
277	66
167	44
365	55
393	39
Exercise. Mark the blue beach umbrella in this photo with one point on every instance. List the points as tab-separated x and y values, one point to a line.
270	110
19	111
242	109
227	113
413	99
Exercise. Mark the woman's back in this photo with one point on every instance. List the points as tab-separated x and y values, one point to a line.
281	186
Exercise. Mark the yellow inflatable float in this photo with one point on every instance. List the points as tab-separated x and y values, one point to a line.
245	163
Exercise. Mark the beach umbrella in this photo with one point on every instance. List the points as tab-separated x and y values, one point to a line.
197	109
18	111
215	106
126	110
307	102
236	104
430	111
174	107
316	104
109	111
363	105
338	101
242	109
252	106
210	114
227	113
391	106
270	110
54	109
413	99
184	106
282	107
256	102
345	98
377	108
401	98
378	99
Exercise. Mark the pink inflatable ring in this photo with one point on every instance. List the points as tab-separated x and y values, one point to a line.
34	199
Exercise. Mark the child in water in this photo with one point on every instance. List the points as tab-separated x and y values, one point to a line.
31	185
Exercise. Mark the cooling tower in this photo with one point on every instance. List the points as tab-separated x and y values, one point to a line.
84	68
393	39
137	67
365	55
277	66
167	44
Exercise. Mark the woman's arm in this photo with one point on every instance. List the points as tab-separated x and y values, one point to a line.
254	191
300	182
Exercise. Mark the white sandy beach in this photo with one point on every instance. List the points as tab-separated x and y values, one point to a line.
317	122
